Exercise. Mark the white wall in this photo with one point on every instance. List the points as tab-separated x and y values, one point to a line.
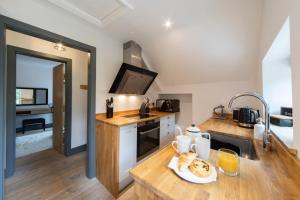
275	14
206	96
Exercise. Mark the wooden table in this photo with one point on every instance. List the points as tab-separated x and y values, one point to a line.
275	175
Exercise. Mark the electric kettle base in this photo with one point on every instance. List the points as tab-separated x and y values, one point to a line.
244	125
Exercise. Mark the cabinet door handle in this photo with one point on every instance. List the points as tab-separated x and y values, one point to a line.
145	132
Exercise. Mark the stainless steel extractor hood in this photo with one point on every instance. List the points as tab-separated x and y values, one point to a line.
133	77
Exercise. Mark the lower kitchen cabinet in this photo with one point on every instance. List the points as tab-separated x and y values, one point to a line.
127	153
116	151
167	130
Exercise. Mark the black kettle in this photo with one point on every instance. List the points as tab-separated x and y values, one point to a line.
248	117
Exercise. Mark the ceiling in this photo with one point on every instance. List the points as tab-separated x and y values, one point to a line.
97	12
210	40
35	62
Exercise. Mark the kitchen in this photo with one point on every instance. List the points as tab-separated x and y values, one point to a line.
139	151
186	99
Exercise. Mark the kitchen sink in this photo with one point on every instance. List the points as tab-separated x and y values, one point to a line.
242	146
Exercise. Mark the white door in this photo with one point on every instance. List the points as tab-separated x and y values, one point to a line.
127	153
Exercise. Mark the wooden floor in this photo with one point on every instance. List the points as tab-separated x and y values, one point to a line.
128	194
50	175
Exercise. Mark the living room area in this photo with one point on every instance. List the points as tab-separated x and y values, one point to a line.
34	104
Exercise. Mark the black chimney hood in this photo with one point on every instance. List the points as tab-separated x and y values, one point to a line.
132	80
133	76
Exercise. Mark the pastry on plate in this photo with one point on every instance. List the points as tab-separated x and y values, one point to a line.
185	159
200	168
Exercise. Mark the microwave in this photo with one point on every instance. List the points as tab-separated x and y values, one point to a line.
168	105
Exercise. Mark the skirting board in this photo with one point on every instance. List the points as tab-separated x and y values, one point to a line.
77	150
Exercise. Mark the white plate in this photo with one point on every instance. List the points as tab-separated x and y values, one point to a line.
189	176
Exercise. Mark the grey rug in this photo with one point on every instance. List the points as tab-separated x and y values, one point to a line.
32	143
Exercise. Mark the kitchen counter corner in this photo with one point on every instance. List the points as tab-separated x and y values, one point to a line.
274	176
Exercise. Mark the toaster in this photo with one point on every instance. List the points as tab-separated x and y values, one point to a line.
168	105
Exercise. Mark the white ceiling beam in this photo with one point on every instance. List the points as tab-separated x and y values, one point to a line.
77	11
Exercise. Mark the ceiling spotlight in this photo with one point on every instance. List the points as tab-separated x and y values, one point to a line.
59	47
168	24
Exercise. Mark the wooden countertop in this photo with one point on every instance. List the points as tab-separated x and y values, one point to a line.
120	120
226	126
275	175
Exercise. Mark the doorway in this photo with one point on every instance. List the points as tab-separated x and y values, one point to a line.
7	23
35	105
62	90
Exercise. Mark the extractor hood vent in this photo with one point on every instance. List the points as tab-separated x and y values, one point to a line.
133	77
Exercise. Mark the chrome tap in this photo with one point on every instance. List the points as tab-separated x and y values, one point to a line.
267	135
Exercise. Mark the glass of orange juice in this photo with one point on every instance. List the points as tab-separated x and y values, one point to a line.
229	162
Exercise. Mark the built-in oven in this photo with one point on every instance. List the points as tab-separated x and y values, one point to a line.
147	138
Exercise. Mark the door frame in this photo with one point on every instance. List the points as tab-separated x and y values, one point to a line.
12	52
21	27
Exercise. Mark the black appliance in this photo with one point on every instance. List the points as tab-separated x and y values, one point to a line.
235	113
287	111
147	138
168	105
248	117
133	76
132	80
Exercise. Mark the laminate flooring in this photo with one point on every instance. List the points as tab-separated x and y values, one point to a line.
50	175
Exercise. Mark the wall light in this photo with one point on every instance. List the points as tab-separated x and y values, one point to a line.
59	47
121	97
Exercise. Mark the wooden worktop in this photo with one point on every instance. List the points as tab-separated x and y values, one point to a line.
275	175
120	120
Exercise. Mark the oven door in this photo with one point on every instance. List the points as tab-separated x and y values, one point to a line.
148	140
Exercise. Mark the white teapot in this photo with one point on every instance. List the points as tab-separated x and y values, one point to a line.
192	131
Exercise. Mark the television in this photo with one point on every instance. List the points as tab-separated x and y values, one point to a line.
31	96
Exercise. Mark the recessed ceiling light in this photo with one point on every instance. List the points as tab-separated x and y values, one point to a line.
168	24
59	47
